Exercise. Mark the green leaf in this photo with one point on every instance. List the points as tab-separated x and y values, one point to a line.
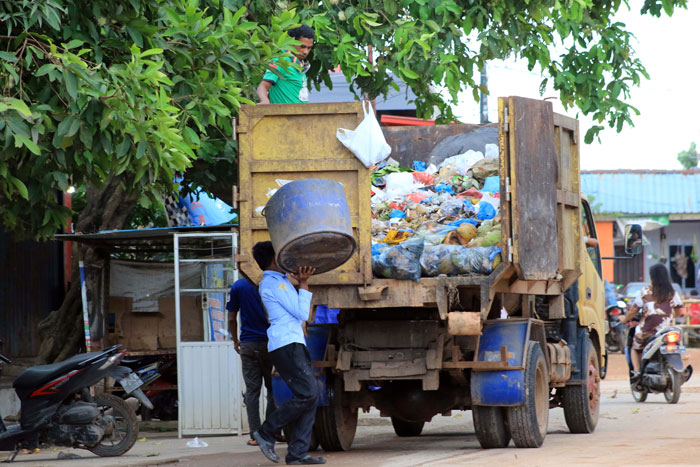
408	73
44	69
123	147
20	186
21	140
70	82
191	135
19	106
73	44
8	57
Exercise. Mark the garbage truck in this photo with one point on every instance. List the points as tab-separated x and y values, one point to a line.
508	345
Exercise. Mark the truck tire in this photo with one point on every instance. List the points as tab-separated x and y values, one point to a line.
581	402
491	426
528	422
404	428
336	423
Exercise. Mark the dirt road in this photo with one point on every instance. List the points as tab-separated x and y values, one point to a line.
628	433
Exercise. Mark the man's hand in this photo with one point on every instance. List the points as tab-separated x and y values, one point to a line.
302	276
263	92
237	346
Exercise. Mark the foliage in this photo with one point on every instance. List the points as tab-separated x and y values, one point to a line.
142	89
689	158
119	88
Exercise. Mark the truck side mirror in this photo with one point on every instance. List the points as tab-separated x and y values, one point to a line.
633	239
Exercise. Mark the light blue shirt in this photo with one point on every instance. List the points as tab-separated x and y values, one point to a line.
286	309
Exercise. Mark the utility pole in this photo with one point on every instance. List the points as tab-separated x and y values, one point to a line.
483	97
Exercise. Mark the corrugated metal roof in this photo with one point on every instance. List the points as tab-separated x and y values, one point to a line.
643	191
395	100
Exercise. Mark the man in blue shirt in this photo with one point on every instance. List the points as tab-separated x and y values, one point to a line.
252	346
287	309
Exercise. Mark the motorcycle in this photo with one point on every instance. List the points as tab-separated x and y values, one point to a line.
662	369
58	408
159	372
616	337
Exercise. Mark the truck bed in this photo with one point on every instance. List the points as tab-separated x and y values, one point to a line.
538	175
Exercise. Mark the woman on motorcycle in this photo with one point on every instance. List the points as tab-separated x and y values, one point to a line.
659	303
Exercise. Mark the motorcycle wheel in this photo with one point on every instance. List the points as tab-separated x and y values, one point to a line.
673	391
639	396
125	429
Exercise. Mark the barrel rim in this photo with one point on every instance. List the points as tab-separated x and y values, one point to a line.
345	260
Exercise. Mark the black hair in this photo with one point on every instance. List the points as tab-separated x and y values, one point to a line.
661	287
302	31
264	254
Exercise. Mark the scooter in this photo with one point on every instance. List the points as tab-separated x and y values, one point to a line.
58	408
616	337
662	369
159	372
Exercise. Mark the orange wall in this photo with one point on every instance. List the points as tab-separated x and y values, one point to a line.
604	229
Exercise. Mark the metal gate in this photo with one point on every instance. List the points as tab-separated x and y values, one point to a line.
209	372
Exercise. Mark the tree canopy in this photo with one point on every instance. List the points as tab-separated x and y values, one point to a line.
122	94
689	158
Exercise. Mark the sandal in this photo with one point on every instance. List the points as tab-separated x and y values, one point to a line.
252	442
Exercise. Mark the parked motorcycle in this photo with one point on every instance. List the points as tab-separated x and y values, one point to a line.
616	337
160	373
662	369
58	408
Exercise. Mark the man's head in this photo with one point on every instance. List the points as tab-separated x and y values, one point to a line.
264	254
306	36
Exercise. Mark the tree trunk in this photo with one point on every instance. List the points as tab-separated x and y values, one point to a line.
62	331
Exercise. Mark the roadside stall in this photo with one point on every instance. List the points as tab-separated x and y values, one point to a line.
162	293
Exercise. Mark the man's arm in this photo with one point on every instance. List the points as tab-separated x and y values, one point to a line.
233	306
263	91
233	329
298	306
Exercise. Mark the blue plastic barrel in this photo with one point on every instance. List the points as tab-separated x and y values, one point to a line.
309	224
316	343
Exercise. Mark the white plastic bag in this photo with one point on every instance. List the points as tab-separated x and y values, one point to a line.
367	140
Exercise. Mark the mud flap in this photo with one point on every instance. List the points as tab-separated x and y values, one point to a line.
501	388
674	361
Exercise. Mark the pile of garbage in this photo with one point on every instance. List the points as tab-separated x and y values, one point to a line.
430	221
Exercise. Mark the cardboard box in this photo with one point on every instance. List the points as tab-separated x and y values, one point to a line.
154	331
191	320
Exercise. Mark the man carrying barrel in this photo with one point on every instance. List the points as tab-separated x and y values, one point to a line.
287	308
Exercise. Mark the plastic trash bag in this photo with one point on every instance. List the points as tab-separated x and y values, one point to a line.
492	184
399	262
399	184
197	443
455	260
366	141
486	211
463	162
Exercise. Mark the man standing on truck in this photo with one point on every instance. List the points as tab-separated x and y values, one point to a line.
287	309
290	87
252	347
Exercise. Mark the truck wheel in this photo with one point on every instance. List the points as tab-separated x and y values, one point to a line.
582	402
404	428
336	423
491	426
528	422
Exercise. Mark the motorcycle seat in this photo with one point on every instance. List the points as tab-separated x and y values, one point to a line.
36	375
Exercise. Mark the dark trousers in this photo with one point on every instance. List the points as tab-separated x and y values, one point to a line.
257	369
293	363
